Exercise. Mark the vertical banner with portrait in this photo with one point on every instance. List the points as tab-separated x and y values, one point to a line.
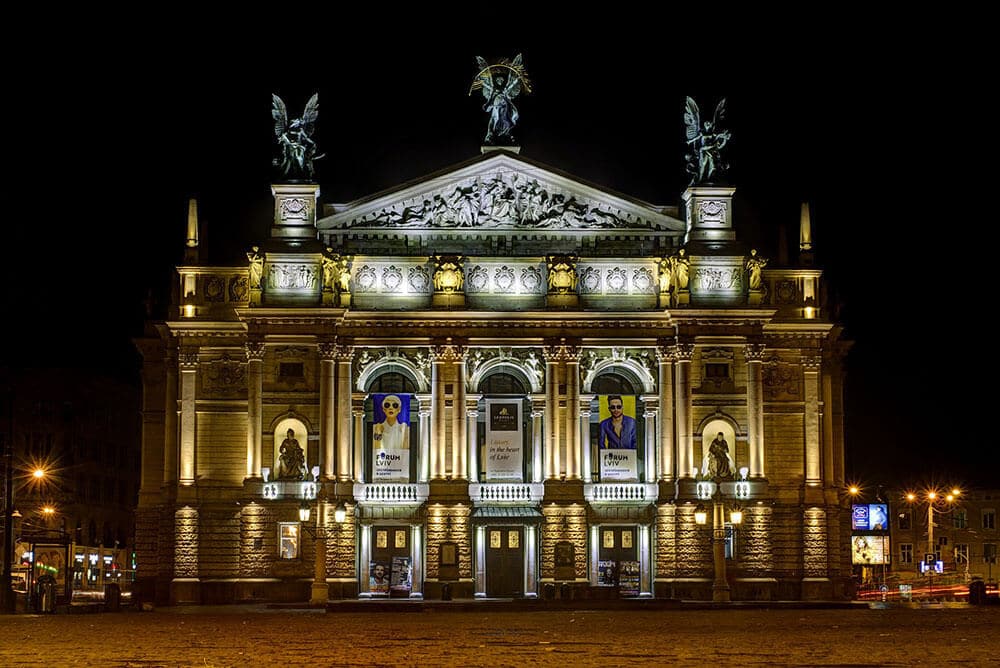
391	438
379	575
616	437
503	440
401	579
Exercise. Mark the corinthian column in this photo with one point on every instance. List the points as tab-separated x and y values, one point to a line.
683	352
255	405
188	360
327	409
345	358
571	355
459	445
170	420
551	354
755	407
437	412
811	365
665	379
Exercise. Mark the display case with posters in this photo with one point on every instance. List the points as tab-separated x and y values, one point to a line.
869	550
870	517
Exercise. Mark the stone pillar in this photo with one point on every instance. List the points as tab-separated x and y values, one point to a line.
811	365
665	378
255	407
537	441
649	415
425	441
439	357
345	358
572	361
188	360
365	557
327	409
479	545
358	413
472	431
683	352
829	479
530	562
585	452
416	553
320	588
459	442
755	407
170	420
551	412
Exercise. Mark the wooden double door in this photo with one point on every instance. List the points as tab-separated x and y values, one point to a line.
505	561
387	542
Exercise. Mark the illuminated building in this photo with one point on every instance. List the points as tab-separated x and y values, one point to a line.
503	304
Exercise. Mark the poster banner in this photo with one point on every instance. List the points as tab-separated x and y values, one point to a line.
869	550
607	573
401	582
391	438
616	440
378	577
628	578
870	517
503	440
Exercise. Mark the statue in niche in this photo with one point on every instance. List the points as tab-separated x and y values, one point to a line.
704	162
755	264
720	462
681	269
501	82
666	275
291	459
256	266
298	150
344	273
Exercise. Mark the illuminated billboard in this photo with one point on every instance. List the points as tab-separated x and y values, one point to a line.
870	517
869	550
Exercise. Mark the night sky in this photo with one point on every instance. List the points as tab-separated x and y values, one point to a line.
117	139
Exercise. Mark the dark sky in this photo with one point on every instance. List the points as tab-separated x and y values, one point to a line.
123	133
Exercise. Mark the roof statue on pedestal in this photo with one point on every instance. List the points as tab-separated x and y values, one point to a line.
704	162
501	82
298	150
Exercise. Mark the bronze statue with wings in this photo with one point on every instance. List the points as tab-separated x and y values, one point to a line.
501	82
298	150
704	162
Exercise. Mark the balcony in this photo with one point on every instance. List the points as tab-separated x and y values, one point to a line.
620	492
390	493
491	493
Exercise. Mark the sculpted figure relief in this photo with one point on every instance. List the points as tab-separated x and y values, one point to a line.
291	459
755	264
256	266
682	269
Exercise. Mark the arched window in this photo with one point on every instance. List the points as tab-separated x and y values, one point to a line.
502	383
392	381
612	383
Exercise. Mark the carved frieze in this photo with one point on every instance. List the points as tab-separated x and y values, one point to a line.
238	289
590	281
712	211
292	276
526	358
294	208
224	377
711	279
215	289
391	278
419	279
416	358
781	381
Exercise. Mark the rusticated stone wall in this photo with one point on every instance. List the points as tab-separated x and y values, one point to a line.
564	523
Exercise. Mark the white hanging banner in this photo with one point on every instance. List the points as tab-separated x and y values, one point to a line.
504	440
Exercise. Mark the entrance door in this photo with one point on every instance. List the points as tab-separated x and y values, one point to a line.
618	544
505	561
387	542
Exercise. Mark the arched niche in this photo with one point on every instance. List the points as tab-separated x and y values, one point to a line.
507	365
710	429
392	365
300	433
637	375
503	379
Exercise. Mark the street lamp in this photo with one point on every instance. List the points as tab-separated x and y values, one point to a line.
932	498
7	597
320	591
711	490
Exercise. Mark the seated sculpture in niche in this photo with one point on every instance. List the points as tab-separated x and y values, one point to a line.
291	459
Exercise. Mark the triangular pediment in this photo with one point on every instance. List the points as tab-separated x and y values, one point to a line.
499	192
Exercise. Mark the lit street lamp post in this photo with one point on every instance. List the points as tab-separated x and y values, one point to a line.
933	497
712	490
320	590
6	593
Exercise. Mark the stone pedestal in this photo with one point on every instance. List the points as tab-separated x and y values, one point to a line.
454	300
570	301
682	298
709	215
294	211
755	297
345	299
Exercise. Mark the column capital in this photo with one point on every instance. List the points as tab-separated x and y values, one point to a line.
812	363
448	351
755	352
683	352
666	353
254	351
562	351
187	358
344	353
472	413
327	350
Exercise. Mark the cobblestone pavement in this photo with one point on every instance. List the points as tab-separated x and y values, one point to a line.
241	635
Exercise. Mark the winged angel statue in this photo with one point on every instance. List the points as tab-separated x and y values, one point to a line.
501	82
706	140
298	150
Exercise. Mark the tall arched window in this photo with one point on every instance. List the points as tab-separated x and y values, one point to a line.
612	383
504	429
392	381
616	429
502	383
392	429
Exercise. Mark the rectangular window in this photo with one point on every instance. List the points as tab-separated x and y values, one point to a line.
961	554
291	370
989	553
904	520
959	518
942	541
906	553
288	540
989	519
715	371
